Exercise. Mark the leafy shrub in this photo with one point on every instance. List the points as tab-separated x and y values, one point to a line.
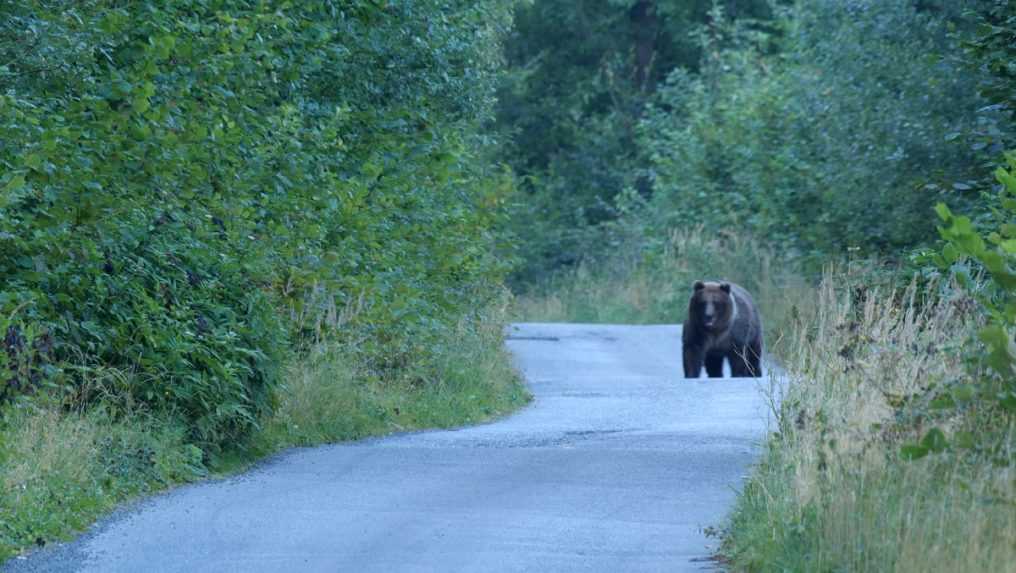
994	255
173	177
838	138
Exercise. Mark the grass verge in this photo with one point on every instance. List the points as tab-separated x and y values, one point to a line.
60	469
867	354
833	492
466	378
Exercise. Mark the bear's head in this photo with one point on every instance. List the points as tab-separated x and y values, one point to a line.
711	305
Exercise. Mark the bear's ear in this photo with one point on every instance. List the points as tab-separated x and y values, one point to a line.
725	287
699	285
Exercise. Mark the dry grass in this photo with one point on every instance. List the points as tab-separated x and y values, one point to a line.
832	492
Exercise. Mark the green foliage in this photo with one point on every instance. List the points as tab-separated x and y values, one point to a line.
994	257
839	140
178	179
825	126
994	48
580	73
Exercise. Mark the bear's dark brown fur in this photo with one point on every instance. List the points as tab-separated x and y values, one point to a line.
722	323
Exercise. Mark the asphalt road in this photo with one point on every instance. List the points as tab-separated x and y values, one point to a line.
618	465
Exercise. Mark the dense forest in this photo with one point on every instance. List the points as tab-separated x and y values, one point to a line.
822	126
232	226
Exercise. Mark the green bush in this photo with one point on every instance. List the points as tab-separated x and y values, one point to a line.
179	179
992	255
836	133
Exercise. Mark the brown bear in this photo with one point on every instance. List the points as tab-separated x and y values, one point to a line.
722	323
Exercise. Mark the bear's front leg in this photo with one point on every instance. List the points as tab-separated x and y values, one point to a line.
692	361
714	365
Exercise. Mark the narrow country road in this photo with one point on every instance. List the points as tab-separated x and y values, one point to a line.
618	465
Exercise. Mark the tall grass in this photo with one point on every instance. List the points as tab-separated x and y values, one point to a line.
832	491
60	469
464	377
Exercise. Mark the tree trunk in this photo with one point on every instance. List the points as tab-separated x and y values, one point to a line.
645	27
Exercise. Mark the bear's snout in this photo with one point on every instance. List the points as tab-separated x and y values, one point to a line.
709	315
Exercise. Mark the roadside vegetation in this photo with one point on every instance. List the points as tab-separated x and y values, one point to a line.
465	377
231	227
886	455
62	465
845	161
